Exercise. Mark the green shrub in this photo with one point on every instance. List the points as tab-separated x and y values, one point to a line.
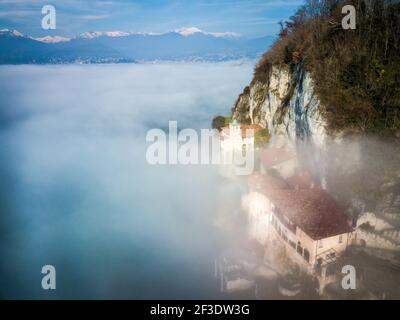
366	226
356	73
262	137
228	120
218	122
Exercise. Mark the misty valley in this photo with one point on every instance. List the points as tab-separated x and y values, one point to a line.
96	204
85	199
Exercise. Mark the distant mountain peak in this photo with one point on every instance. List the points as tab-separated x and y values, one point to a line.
52	39
96	34
193	30
11	32
188	31
184	44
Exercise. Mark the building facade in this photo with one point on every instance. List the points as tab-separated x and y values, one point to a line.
307	221
237	137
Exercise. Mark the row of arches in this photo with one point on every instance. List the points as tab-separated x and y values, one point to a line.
296	246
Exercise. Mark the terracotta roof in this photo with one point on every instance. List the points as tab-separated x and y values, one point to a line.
302	181
313	210
266	182
272	157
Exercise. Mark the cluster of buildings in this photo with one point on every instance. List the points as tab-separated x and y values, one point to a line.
285	204
287	207
237	136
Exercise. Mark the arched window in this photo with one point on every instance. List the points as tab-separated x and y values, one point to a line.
306	255
299	248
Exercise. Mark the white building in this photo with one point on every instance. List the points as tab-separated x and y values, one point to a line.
307	221
258	206
236	137
236	141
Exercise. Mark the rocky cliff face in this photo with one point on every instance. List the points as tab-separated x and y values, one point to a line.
350	167
286	104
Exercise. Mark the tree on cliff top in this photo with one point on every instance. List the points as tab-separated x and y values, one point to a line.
356	72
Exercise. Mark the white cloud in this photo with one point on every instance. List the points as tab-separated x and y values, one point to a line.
81	190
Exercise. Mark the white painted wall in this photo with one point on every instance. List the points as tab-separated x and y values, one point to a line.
258	208
333	243
259	211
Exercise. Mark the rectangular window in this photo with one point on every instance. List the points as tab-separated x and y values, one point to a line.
340	239
321	245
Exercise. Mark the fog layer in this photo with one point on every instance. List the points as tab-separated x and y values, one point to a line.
76	191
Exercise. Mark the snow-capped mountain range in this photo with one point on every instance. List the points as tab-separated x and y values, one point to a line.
52	39
120	46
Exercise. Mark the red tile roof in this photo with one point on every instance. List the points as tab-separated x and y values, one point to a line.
272	157
302	181
313	210
262	183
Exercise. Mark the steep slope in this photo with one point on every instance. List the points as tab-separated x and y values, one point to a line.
320	79
333	95
286	104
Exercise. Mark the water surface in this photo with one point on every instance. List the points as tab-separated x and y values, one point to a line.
76	191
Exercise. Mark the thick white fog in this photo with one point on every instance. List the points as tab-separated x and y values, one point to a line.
76	191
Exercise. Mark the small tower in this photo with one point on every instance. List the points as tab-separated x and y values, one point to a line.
235	133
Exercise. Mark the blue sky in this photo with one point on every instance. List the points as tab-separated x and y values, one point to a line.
252	18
